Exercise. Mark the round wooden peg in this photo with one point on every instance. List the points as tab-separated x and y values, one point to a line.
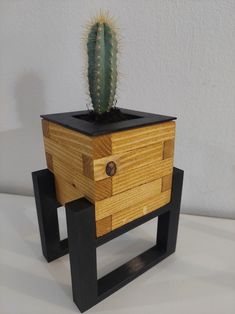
111	168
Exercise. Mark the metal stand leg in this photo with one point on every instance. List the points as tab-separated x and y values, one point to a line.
87	290
82	241
82	249
46	204
168	221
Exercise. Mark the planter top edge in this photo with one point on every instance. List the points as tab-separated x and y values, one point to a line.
72	121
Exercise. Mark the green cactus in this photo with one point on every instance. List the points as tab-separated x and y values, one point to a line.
102	49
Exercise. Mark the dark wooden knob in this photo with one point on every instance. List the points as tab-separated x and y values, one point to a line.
111	168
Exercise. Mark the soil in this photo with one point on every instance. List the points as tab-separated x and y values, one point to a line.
114	115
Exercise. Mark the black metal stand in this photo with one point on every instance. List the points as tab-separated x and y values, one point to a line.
82	241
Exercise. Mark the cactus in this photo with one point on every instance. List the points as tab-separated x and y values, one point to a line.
102	65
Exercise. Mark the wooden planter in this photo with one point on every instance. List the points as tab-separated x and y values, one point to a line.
124	169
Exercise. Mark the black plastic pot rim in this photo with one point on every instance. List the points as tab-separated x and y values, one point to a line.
139	119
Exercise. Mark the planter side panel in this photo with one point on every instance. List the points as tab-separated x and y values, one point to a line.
141	184
65	150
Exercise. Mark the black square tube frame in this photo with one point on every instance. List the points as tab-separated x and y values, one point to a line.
82	241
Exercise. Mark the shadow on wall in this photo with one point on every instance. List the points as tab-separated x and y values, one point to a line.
22	149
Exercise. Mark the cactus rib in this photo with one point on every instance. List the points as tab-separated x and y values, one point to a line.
102	66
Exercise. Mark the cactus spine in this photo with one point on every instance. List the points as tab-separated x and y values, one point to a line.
102	65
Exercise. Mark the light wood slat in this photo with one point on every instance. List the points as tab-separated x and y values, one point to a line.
130	160
168	149
166	183
90	189
140	137
103	226
127	215
70	157
45	128
88	166
102	146
65	191
102	189
96	147
71	139
69	174
131	213
49	161
127	199
147	173
69	164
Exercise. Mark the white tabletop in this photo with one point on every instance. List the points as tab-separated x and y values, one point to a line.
199	278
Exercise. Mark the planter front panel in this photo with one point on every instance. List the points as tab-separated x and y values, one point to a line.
143	177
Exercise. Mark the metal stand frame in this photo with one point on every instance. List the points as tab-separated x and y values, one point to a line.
82	241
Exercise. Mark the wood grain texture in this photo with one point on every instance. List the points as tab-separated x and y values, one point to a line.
128	161
69	156
166	183
96	147
127	199
103	226
141	137
142	182
99	166
88	166
102	189
71	140
90	189
144	207
147	173
102	146
45	128
49	161
66	191
168	150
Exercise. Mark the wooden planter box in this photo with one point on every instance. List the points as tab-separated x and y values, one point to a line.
124	169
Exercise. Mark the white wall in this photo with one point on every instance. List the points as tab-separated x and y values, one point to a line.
178	58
